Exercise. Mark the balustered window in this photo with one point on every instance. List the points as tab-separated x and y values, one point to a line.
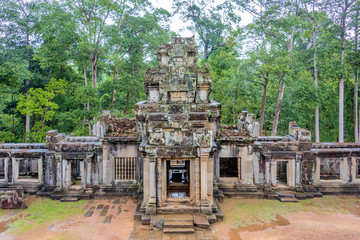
125	168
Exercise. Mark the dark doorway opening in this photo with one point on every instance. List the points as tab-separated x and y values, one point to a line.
229	167
281	172
178	178
75	174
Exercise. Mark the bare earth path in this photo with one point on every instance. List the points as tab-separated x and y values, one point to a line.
330	217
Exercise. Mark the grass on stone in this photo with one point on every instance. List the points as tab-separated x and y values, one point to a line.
43	211
238	212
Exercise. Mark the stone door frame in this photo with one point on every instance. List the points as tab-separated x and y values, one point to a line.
67	172
290	171
192	177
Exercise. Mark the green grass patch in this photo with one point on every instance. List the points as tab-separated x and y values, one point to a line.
47	211
238	212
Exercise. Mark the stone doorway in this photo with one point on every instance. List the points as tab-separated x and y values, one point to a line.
178	179
281	172
75	174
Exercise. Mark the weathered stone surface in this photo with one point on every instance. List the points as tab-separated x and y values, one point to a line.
11	200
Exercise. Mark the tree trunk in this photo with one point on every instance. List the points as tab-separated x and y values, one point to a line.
356	120
114	90
356	87
87	103
341	90
27	118
234	120
317	114
206	50
341	110
277	111
263	104
13	118
93	69
27	83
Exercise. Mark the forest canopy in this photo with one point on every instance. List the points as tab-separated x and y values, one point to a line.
63	62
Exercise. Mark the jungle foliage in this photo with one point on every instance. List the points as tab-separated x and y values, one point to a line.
63	62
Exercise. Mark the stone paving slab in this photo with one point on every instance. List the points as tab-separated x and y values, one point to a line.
103	212
89	213
108	219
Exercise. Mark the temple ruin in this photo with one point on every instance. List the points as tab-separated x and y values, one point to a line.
176	156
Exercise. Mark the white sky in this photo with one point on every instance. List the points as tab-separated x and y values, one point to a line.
179	27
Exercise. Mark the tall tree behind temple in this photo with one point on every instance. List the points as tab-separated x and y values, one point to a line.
91	19
17	24
339	11
211	22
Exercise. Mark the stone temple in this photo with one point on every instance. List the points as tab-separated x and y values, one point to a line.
176	156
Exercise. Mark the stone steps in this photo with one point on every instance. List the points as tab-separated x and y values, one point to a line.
180	223
69	199
179	230
288	199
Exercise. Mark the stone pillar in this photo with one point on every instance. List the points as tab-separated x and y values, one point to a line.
273	172
58	171
88	164
298	170
151	206
203	164
146	180
67	173
353	169
205	207
6	174
267	171
197	181
317	170
15	169
9	171
291	172
344	169
40	170
83	174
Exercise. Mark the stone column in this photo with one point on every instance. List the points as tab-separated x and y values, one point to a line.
273	172
59	184
67	173
298	170
6	174
203	164
151	206
83	174
146	178
317	170
353	169
40	170
15	169
9	169
88	163
197	181
267	169
205	207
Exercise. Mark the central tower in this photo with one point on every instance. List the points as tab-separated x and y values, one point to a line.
178	124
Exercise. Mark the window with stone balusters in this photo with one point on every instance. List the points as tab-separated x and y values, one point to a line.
125	168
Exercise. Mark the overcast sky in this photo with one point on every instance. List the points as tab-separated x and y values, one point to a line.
179	27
